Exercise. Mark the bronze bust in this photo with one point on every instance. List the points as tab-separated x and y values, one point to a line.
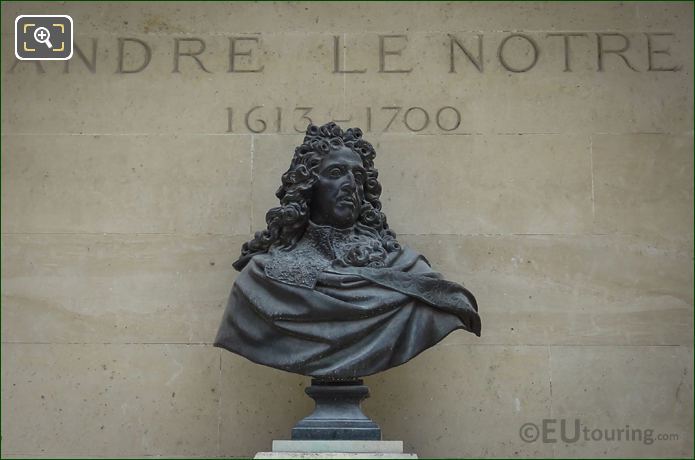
326	290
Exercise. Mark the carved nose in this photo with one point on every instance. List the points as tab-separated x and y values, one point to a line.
350	185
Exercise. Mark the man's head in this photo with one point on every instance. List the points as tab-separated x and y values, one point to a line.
332	181
338	193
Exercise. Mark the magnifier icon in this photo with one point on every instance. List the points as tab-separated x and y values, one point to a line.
42	35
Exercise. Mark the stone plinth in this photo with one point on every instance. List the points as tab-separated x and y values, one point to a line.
336	449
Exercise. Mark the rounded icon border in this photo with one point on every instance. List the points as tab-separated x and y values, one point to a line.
529	432
72	36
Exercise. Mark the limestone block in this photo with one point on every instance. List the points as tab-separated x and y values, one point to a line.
545	289
258	404
471	399
115	288
645	388
665	15
644	185
485	185
111	400
126	184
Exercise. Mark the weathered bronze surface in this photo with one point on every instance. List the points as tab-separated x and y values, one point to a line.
326	290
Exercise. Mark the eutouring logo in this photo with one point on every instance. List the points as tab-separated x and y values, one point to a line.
569	431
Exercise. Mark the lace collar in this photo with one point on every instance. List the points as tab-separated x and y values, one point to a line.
326	238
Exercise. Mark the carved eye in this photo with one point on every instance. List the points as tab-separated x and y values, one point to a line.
335	172
359	177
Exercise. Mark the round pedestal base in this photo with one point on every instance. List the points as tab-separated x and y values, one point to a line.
338	414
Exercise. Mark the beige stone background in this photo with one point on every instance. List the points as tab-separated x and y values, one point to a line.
564	201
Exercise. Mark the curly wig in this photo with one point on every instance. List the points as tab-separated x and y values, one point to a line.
287	222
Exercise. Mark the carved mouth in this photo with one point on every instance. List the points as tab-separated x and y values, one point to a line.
347	200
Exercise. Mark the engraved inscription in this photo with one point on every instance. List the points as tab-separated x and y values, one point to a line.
477	61
566	39
235	53
90	63
516	53
261	119
534	53
659	48
146	55
192	54
603	49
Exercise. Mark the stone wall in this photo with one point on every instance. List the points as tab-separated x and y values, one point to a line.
541	153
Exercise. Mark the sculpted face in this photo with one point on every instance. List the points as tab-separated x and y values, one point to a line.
338	194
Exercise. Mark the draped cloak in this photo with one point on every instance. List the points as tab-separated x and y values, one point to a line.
304	311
